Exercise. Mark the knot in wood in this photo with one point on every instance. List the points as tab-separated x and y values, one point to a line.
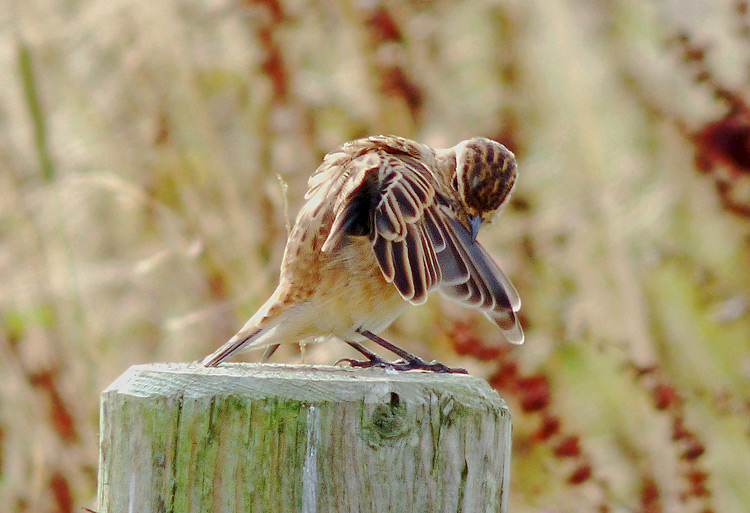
386	421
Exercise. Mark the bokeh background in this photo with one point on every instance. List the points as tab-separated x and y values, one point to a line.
152	155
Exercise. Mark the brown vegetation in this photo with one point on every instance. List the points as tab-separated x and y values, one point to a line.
152	154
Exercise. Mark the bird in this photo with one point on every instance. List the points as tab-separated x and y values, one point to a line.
386	221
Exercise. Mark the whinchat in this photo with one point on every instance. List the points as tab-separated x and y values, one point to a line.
387	220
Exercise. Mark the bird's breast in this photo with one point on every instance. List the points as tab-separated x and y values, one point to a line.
343	289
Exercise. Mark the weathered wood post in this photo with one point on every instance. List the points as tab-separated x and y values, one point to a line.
294	438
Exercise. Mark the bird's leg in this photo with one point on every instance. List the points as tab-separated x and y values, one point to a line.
410	361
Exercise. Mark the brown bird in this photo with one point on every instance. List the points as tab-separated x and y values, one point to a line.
387	220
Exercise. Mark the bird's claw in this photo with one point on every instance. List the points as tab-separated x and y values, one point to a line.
433	366
365	364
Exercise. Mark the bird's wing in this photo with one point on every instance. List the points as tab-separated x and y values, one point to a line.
385	198
402	246
476	281
418	241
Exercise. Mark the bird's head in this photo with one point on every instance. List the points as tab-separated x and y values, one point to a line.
484	177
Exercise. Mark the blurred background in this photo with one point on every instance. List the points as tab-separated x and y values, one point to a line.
152	155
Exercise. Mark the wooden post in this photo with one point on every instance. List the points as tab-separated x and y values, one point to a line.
294	438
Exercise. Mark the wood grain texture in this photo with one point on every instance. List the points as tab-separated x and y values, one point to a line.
284	438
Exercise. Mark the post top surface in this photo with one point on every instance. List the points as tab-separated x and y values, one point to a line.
297	382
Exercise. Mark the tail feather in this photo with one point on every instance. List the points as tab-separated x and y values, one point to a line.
269	352
234	345
261	325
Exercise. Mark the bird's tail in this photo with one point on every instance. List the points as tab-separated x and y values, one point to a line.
234	345
269	352
254	333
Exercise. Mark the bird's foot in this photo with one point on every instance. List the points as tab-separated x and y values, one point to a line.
372	361
402	365
408	360
433	366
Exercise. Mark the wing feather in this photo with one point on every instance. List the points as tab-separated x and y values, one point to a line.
500	287
384	256
418	262
406	192
499	298
433	266
403	278
405	203
433	232
396	222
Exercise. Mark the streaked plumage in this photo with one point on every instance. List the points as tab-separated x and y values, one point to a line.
387	220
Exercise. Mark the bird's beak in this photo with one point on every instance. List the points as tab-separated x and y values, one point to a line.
474	223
